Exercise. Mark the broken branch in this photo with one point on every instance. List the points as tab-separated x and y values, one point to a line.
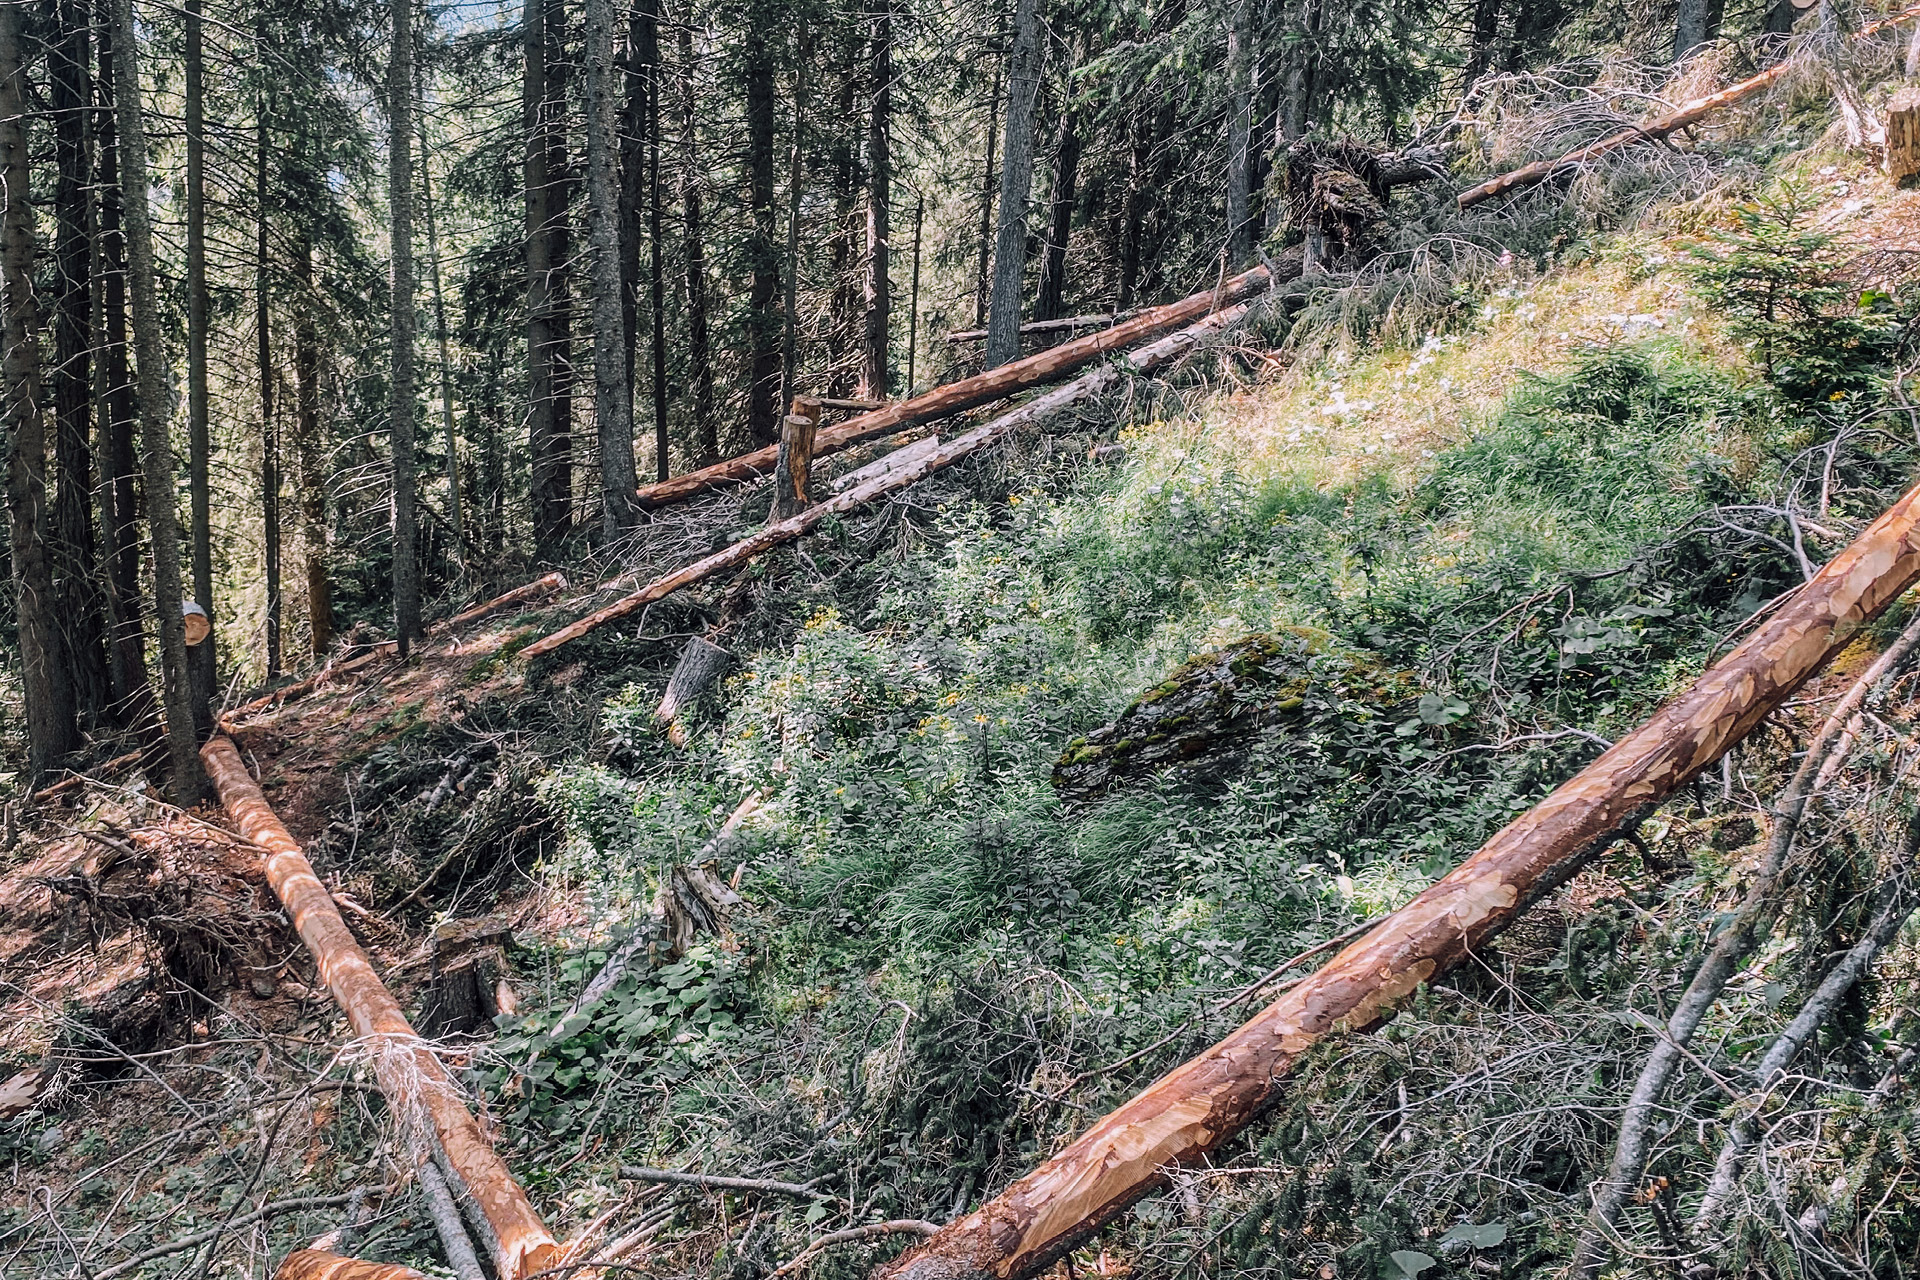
716	1182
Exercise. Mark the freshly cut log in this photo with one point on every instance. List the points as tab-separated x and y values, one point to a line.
417	1087
905	456
784	531
983	388
1653	130
1190	1111
317	1264
519	595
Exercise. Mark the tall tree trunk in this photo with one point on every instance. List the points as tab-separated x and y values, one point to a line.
76	569
988	184
657	255
310	451
1133	205
456	515
1016	183
263	352
1480	43
763	254
406	565
845	317
875	383
51	729
1693	27
612	403
640	176
1296	88
549	339
1051	302
796	152
913	292
119	465
149	353
1239	126
200	659
694	255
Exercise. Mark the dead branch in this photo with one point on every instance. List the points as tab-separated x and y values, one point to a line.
446	1220
1729	949
519	595
897	1227
715	1182
1188	1113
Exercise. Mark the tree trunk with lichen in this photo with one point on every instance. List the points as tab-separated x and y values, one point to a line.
1194	1109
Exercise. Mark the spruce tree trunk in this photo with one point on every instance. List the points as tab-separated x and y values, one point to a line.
1239	125
1016	184
549	338
657	258
1485	27
456	513
263	354
406	566
119	463
988	184
1296	89
763	253
1050	303
152	378
51	729
310	452
694	254
82	605
200	658
612	403
875	382
790	308
1693	27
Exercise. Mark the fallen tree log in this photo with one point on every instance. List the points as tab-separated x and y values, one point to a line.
982	388
784	531
1653	130
416	1085
1191	1110
555	581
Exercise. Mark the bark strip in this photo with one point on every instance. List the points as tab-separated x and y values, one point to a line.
961	446
982	388
415	1083
1189	1112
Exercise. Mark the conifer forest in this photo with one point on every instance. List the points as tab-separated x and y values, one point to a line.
960	639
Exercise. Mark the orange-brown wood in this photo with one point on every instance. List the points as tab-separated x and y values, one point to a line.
519	595
1190	1111
1653	130
982	388
317	1264
945	455
793	472
417	1087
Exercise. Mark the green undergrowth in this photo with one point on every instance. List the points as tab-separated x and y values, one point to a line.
937	946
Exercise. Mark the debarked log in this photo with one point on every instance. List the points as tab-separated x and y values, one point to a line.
1190	1111
415	1083
317	1264
781	532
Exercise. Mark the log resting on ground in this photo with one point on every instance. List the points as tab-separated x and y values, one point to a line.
412	1078
1192	1110
982	388
784	531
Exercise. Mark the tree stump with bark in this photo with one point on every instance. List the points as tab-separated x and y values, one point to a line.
795	464
701	665
469	961
1202	720
1903	137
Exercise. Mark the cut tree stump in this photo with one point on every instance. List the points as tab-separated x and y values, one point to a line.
468	962
1188	1113
793	468
701	664
1903	137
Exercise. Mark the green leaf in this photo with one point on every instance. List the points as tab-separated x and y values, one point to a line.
1481	1236
1410	1262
